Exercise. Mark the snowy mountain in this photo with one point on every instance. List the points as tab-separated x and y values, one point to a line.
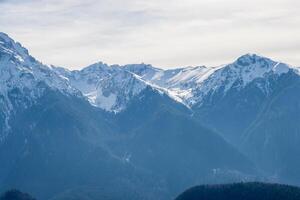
192	84
238	75
179	82
237	89
148	132
108	87
23	79
254	104
57	141
52	139
112	87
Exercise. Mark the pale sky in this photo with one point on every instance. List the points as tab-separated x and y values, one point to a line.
165	33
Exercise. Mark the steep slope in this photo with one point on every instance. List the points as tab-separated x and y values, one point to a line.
140	124
253	103
241	191
59	143
238	75
136	131
53	139
111	88
108	87
272	139
179	81
236	92
22	80
159	135
50	152
238	101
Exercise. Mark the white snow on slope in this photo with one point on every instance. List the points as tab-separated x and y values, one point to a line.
21	80
107	87
112	87
115	86
239	74
191	84
179	82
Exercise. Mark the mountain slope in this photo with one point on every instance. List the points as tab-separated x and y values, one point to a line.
23	79
55	139
253	103
108	87
236	101
51	152
272	140
237	91
143	132
161	136
179	81
61	144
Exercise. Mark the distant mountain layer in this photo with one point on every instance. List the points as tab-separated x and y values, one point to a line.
242	191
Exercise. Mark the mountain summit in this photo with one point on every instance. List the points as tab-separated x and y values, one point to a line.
22	80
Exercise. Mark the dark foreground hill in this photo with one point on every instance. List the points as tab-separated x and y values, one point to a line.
15	195
242	191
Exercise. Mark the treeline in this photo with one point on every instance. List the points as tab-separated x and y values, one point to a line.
15	195
242	191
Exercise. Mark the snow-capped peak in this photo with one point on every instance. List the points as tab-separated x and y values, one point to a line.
140	69
98	67
9	49
21	72
21	69
238	74
107	87
251	66
111	87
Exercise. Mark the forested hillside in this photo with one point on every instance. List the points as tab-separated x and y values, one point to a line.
242	191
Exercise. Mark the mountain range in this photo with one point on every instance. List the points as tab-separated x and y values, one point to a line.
141	132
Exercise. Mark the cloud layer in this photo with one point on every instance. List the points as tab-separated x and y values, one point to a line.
165	33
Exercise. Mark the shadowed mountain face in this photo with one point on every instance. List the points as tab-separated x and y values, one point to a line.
273	138
163	137
261	123
64	144
241	191
59	144
253	103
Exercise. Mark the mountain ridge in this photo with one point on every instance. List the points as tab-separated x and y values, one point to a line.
186	84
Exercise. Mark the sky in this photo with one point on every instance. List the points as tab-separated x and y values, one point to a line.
164	33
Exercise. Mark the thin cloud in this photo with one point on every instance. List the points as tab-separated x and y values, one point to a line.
165	33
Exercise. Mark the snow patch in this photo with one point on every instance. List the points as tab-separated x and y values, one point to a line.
105	102
281	68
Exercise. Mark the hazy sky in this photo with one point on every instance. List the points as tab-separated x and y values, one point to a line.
165	33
